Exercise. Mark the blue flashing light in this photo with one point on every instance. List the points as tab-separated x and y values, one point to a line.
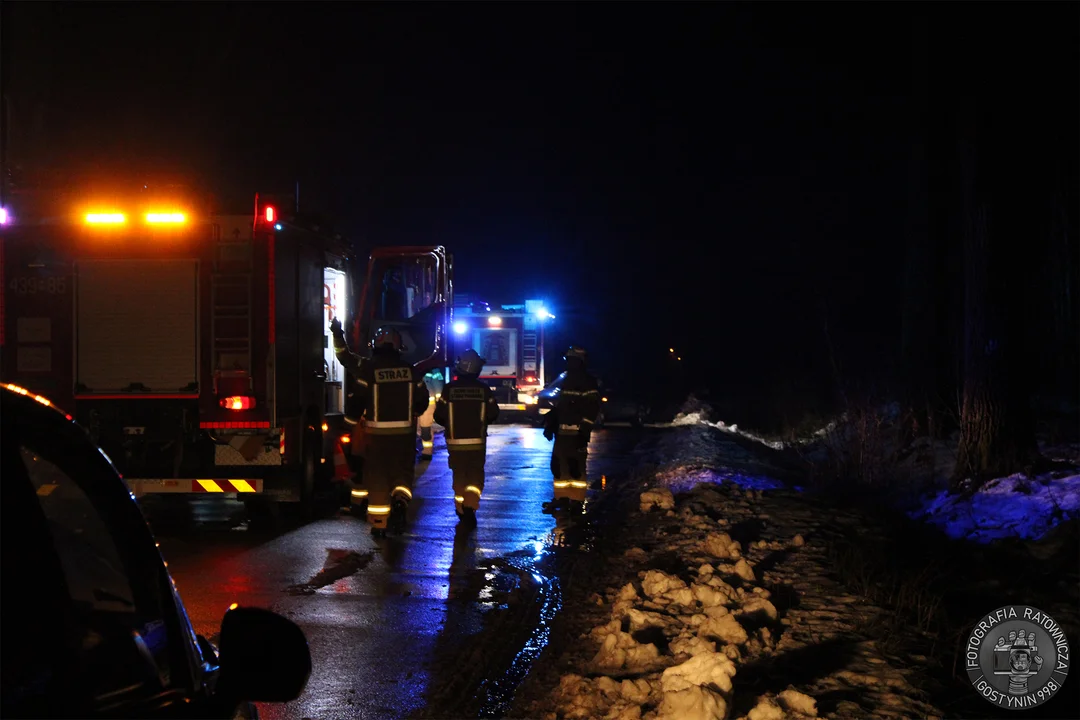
277	227
460	328
543	314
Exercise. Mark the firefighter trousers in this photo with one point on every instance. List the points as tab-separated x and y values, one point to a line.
389	465
427	441
568	459
468	469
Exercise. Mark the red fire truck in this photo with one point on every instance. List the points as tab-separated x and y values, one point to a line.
511	339
192	344
409	288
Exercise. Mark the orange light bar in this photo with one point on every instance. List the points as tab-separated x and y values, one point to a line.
166	218
238	402
105	218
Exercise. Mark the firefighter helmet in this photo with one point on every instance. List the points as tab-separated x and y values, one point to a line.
386	336
576	351
470	363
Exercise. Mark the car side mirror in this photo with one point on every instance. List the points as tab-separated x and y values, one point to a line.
263	657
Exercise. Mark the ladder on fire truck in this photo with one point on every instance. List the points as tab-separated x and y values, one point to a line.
231	306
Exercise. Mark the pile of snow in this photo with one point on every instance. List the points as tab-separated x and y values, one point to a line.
672	643
788	705
700	417
1013	506
699	608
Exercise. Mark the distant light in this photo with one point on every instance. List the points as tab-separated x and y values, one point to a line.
460	328
278	226
495	320
671	350
110	218
270	213
168	218
233	606
3	216
603	399
679	358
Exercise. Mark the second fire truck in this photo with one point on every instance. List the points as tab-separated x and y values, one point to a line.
511	338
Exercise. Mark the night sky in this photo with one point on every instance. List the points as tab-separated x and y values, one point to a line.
714	177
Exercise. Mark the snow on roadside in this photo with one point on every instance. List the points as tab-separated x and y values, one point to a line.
708	626
1014	506
701	417
1010	507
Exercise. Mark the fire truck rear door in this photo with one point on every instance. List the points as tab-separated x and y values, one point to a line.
137	324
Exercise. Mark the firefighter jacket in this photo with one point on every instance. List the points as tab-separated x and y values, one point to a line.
576	406
466	407
393	394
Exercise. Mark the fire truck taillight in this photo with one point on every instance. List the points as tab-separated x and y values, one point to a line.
166	218
494	321
105	218
530	380
238	402
271	213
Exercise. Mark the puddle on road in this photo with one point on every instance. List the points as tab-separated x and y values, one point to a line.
572	536
497	694
339	564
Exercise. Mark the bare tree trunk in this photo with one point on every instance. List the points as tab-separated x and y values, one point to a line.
996	431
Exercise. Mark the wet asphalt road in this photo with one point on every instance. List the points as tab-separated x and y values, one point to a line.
377	613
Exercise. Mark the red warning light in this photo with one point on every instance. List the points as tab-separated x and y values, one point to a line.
270	213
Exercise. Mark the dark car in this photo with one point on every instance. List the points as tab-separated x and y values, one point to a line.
619	409
92	623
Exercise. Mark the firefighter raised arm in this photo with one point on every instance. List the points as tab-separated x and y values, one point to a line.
349	360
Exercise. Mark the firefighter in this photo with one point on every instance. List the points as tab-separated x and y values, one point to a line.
466	408
570	424
348	449
433	380
354	445
393	395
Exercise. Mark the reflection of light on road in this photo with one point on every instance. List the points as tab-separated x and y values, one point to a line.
532	438
538	547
